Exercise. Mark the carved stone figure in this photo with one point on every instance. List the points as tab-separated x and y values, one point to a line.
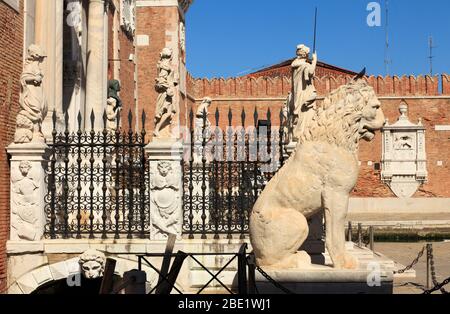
33	105
320	175
25	207
304	92
113	105
92	264
165	186
165	86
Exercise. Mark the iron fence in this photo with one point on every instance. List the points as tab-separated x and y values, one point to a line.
97	182
226	170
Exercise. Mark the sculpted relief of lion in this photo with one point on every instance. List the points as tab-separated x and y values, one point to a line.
319	176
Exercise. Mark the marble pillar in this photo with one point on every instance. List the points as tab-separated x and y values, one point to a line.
28	190
49	36
96	70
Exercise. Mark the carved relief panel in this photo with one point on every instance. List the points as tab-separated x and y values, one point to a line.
404	155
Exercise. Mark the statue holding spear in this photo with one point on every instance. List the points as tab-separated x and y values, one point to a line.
303	103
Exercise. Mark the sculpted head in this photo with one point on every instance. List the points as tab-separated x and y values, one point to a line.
303	51
372	117
164	168
348	114
35	53
92	263
166	53
24	168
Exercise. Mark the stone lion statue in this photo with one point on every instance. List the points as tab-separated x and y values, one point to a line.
319	175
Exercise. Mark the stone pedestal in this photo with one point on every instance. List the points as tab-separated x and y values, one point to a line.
28	190
166	188
374	275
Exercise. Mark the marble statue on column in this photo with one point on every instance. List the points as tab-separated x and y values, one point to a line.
304	92
113	105
166	87
33	105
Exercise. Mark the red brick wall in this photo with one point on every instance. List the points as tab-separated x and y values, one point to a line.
11	55
264	93
285	69
126	76
153	22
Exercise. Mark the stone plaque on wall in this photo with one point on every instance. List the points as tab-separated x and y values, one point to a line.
404	156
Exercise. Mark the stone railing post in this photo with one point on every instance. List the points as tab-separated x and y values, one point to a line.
28	190
166	188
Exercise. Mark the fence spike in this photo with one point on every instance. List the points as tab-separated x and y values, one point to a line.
92	119
79	119
66	121
255	117
130	118
118	122
105	118
54	119
230	117
269	116
281	117
243	117
143	119
217	116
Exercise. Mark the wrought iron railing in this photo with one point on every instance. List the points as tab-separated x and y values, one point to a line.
226	171
97	182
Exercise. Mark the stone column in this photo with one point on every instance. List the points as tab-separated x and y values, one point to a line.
28	190
49	36
96	71
166	188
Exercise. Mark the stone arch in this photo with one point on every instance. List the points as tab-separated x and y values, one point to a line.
45	274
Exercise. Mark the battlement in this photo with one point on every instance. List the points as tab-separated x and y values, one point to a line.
267	87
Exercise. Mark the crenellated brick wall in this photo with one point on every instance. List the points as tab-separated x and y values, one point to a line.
279	86
11	56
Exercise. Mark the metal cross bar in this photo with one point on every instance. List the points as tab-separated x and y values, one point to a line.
214	276
159	273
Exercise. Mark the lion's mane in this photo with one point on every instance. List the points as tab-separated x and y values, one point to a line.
337	119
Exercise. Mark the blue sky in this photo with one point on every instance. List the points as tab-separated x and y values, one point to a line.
234	37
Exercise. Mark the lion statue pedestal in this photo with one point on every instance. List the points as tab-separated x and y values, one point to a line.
318	177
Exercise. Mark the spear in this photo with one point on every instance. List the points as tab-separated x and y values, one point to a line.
315	31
